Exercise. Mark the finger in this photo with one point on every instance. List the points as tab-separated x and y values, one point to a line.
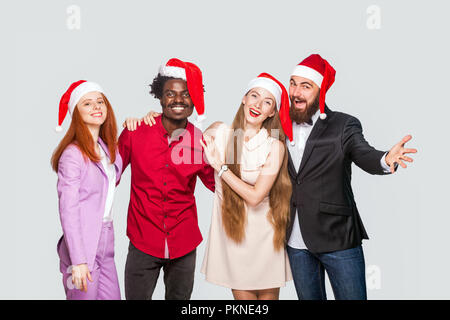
400	162
203	145
134	124
410	151
153	119
124	124
129	125
392	167
406	158
84	284
89	276
405	139
77	283
139	122
145	120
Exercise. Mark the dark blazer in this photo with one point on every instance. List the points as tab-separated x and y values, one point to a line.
321	187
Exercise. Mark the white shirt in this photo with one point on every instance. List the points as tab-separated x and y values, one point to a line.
301	133
110	171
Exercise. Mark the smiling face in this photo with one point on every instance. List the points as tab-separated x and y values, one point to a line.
259	104
92	109
175	101
304	97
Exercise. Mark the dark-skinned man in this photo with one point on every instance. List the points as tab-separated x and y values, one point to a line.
165	160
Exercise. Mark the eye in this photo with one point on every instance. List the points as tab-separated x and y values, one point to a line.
101	102
87	103
253	95
186	94
268	102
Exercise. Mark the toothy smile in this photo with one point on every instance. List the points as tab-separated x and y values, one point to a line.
254	113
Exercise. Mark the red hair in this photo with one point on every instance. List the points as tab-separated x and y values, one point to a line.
80	135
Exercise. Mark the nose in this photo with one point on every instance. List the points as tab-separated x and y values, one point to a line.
178	98
298	91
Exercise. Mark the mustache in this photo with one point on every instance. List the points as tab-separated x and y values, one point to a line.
297	98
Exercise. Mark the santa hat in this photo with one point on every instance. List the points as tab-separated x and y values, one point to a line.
72	96
318	70
276	88
190	73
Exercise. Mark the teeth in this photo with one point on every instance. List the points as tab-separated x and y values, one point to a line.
177	108
254	112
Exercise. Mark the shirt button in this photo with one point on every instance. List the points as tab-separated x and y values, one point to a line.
164	183
167	164
168	233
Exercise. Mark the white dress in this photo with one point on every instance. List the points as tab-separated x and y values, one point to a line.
252	264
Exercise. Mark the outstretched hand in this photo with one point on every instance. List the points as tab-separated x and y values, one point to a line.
397	154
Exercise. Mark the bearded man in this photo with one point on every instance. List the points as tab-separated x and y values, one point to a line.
325	231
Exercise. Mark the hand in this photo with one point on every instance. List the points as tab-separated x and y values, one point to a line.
79	274
132	123
149	118
211	152
397	154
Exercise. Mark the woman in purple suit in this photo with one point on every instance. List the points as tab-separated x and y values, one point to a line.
89	167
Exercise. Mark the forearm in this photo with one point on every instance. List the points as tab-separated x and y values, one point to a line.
249	193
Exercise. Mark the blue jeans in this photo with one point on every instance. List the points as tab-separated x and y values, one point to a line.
345	269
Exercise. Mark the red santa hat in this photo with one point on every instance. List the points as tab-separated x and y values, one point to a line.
318	70
72	96
276	88
192	74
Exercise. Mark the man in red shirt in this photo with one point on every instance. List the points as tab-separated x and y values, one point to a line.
165	160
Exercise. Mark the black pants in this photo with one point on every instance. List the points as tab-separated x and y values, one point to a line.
142	272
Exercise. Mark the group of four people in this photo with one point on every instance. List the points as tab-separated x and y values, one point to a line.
283	203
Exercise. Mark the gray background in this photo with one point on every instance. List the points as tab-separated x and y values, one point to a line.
393	79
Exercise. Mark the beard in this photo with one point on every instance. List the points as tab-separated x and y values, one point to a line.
306	115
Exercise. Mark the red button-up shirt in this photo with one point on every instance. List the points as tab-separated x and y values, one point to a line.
162	205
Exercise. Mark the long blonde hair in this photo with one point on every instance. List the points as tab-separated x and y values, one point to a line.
233	208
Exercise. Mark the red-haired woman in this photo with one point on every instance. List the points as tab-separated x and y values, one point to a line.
89	167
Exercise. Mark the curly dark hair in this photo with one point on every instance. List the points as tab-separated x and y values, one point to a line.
158	83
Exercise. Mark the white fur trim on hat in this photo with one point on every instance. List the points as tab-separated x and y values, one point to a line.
174	72
80	91
309	73
268	84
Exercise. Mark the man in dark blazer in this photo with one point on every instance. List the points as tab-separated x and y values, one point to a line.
325	230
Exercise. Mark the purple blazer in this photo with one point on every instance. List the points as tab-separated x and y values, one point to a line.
82	189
